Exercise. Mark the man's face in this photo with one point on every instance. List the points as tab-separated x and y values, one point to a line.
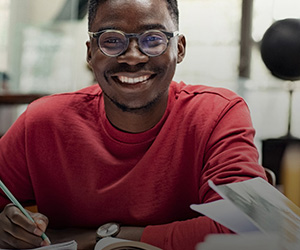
133	80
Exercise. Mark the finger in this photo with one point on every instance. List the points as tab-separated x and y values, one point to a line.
45	243
42	223
20	228
38	227
40	220
15	236
18	218
8	241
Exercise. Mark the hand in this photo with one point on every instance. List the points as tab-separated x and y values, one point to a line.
17	231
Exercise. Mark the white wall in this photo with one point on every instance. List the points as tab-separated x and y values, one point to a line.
212	29
46	57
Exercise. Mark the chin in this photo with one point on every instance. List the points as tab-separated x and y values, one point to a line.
135	108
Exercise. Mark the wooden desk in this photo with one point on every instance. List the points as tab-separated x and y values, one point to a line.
18	99
11	99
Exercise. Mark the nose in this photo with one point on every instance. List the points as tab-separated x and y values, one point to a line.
133	55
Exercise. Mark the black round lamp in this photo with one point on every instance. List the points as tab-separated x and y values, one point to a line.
280	49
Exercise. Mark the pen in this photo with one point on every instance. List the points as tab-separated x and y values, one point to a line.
17	204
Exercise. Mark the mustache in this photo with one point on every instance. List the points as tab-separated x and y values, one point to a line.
133	68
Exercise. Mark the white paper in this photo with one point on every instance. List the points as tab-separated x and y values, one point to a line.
114	243
255	205
264	205
70	245
247	241
106	242
227	214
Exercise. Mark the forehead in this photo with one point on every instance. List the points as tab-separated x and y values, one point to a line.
133	15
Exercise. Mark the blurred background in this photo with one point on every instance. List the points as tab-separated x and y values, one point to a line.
42	51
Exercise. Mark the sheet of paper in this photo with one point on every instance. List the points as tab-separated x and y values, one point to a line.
255	205
264	205
227	214
247	241
106	242
70	245
115	243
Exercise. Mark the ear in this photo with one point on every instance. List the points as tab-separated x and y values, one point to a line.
181	48
88	52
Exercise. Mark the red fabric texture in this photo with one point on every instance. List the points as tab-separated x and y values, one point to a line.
64	155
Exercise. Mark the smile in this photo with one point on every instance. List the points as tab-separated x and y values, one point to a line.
133	80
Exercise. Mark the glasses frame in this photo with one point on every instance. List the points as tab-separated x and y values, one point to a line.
96	35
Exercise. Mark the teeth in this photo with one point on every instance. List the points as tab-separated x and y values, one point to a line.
133	80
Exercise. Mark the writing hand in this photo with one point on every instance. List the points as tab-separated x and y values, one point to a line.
17	231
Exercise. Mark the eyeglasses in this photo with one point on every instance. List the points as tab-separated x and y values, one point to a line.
114	42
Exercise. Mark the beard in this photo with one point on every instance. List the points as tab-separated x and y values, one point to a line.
129	68
135	110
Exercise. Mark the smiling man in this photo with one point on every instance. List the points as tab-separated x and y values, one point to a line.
135	71
134	153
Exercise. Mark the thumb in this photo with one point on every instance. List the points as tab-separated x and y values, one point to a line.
40	220
41	224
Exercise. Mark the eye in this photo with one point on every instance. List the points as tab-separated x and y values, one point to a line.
112	41
152	40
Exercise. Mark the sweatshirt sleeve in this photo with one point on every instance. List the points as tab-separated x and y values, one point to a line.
182	234
230	156
13	153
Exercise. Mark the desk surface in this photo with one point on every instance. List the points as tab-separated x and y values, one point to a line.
18	98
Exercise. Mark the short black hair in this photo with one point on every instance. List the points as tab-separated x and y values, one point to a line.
94	5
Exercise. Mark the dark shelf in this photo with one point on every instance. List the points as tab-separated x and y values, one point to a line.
18	98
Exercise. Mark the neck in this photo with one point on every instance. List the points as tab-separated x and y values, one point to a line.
136	121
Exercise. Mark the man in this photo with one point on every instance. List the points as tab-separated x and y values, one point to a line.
136	152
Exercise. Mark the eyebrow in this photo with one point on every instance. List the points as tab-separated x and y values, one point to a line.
156	26
153	26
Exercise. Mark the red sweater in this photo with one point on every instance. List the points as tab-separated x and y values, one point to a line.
65	156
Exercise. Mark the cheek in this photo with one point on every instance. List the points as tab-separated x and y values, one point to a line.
95	58
98	64
96	70
173	47
171	58
169	61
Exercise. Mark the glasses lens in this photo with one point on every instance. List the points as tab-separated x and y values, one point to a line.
112	43
153	43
